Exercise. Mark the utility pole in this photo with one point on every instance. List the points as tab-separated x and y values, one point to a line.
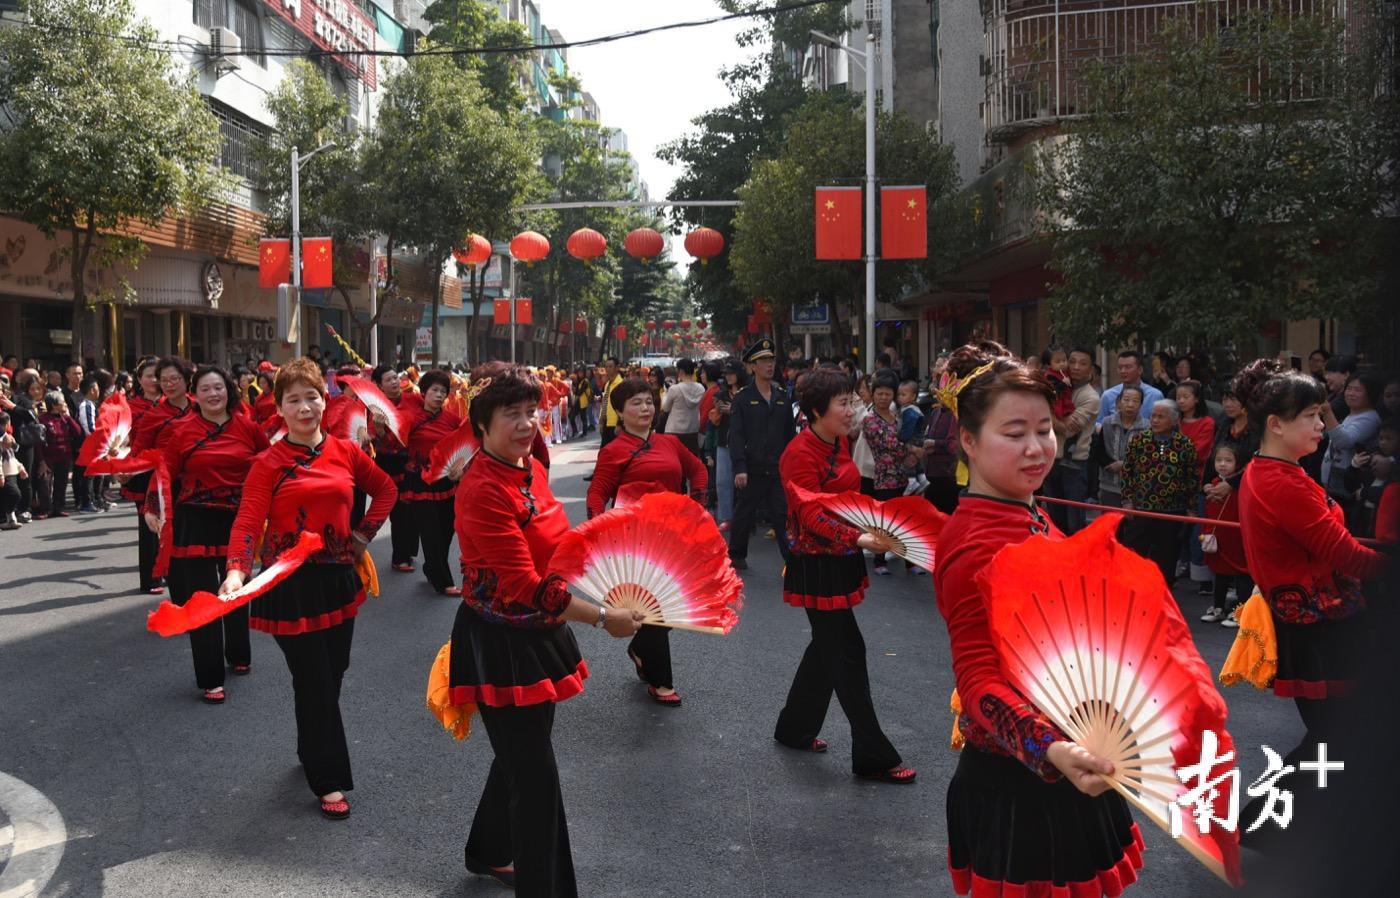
297	162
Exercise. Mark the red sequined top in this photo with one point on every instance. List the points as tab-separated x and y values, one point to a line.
661	458
811	463
508	525
995	717
429	429
1300	553
292	488
210	461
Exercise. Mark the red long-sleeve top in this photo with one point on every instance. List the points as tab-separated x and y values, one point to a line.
293	488
389	453
1388	515
265	407
1297	544
707	402
428	430
208	462
149	430
814	465
660	458
508	525
995	717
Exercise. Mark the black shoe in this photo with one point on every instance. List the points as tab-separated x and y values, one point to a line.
740	564
589	477
504	877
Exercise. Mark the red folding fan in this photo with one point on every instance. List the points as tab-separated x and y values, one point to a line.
1088	631
908	526
203	607
452	453
165	509
662	555
378	404
347	419
140	463
111	435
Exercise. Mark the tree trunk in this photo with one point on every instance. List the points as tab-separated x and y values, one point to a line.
77	263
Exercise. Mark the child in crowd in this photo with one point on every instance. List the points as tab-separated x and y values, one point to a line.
11	471
911	428
1370	473
87	421
1055	367
1223	547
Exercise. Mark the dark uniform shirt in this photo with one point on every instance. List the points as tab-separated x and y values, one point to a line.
759	430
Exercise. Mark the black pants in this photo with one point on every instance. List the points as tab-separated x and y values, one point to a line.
403	533
765	490
147	548
1243	587
435	521
835	663
318	662
1156	540
942	492
81	496
652	646
54	489
225	639
520	817
1326	720
10	497
605	435
29	458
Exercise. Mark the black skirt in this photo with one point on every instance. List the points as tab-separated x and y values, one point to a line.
199	550
1008	830
1320	660
315	597
825	582
499	665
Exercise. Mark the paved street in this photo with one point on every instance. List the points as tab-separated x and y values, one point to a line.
163	795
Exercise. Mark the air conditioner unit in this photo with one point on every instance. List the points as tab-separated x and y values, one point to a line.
225	49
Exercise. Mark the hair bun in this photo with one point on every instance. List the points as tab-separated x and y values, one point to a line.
1253	376
971	356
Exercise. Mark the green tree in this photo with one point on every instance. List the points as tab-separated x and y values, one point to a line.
441	164
1221	180
100	131
774	229
474	23
791	29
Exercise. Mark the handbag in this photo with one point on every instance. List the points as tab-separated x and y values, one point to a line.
32	433
1210	544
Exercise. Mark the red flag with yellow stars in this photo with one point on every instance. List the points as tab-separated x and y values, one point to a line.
316	266
838	222
904	222
274	263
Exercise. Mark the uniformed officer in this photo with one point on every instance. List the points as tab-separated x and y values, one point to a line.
760	426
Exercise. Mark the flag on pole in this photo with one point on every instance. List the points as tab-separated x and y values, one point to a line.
274	263
524	311
838	222
904	222
316	265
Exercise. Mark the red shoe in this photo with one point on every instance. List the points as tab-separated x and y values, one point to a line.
671	701
450	591
156	590
404	567
724	526
242	670
214	696
899	776
335	810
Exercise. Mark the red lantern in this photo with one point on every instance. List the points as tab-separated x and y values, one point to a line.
586	244
475	251
700	324
704	244
651	325
685	324
529	247
644	244
667	324
621	332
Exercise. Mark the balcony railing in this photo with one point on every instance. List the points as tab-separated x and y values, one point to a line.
1038	51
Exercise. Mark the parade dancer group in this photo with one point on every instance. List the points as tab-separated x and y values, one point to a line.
1028	810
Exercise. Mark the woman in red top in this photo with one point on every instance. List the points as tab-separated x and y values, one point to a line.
512	656
142	400
392	458
1027	811
432	502
265	406
825	576
306	482
151	431
638	455
208	456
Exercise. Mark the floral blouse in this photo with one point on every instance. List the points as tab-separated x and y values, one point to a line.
882	438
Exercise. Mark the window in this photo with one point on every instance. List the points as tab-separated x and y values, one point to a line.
240	16
241	135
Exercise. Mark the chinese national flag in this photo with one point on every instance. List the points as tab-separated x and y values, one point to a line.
838	222
316	264
274	263
903	223
524	312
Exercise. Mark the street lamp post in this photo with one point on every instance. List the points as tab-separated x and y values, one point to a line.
297	162
868	57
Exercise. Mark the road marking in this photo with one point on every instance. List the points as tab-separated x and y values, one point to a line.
36	839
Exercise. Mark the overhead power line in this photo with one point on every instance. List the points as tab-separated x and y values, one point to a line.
173	46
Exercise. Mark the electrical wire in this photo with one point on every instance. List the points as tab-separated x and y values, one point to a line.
173	46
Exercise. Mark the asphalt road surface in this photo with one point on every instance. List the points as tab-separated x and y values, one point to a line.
161	795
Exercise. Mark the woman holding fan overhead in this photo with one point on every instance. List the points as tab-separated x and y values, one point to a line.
1026	809
638	455
432	502
825	576
152	430
511	654
208	457
306	482
392	457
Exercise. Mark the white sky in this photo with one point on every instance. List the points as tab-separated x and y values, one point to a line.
651	86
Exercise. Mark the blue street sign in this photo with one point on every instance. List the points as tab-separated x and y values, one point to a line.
819	313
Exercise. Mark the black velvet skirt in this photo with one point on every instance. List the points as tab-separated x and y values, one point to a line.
200	550
498	665
825	582
1320	660
1009	832
315	597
